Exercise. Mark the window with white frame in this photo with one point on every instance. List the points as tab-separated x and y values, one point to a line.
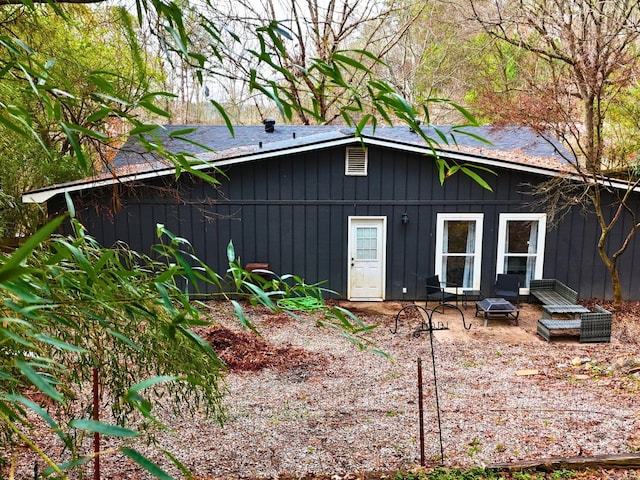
521	239
459	248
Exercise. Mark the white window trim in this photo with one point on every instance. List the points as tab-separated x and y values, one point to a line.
477	261
541	218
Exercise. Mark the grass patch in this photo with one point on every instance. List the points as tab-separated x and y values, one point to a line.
442	473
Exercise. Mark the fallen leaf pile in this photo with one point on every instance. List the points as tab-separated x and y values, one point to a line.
245	351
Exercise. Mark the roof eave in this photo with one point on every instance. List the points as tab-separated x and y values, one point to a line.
46	194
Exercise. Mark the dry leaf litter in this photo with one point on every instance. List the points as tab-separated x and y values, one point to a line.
303	401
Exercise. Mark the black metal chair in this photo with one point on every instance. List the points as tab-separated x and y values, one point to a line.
437	293
508	287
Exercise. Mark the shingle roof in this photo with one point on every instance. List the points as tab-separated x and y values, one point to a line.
254	138
509	147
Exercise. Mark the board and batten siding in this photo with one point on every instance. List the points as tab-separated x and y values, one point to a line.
291	212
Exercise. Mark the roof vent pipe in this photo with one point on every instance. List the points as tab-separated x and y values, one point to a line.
269	125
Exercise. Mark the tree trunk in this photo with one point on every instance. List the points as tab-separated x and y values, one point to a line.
614	274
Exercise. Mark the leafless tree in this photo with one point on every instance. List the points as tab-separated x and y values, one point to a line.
314	30
436	57
581	55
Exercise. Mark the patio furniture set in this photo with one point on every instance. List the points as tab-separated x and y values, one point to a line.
561	313
506	294
559	299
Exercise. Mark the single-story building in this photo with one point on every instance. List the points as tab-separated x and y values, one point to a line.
367	214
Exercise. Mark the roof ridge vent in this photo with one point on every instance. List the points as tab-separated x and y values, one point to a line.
269	125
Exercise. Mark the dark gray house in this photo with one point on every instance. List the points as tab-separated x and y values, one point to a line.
367	214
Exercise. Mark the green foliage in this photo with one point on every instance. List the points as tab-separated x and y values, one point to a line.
290	294
363	102
499	69
72	306
474	447
442	473
60	87
623	150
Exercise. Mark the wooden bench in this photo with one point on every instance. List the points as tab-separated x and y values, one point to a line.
593	326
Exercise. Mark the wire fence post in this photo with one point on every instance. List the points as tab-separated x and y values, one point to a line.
420	412
428	326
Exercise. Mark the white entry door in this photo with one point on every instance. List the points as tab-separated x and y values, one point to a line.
366	268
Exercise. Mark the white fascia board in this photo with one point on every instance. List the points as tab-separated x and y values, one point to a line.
466	157
494	162
273	153
43	196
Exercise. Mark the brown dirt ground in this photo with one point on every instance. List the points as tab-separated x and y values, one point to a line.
498	328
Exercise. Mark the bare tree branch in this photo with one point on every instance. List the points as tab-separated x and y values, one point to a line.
583	53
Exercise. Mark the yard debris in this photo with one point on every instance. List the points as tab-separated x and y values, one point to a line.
305	403
578	362
527	372
244	351
626	365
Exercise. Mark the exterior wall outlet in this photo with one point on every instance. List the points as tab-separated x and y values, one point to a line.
404	289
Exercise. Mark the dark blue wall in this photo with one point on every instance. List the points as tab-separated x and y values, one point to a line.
291	212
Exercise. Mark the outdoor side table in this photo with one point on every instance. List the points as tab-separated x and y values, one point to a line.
497	306
470	295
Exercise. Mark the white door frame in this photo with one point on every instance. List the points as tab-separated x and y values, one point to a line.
381	222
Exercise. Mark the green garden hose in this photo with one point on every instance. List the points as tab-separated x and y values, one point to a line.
304	304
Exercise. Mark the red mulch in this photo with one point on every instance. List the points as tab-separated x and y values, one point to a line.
246	352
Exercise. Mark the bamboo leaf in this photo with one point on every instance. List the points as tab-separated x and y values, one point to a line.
244	321
179	465
350	61
41	382
103	428
75	144
123	338
66	466
143	129
147	464
481	181
44	415
58	343
231	254
11	267
223	113
150	382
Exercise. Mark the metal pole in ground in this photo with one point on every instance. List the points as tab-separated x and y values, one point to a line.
424	327
435	388
421	412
